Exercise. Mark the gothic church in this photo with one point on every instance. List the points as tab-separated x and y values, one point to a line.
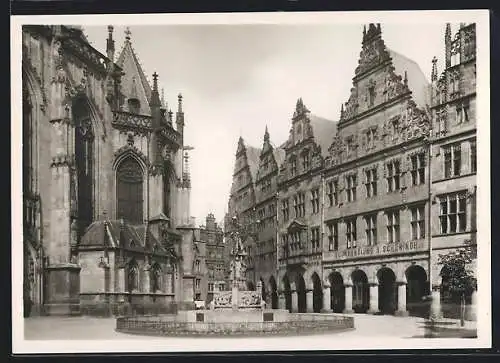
106	189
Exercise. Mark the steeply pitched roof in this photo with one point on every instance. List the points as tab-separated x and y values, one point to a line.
417	82
131	66
253	159
324	130
279	155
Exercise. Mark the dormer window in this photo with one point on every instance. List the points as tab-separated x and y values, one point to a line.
349	146
371	95
293	166
305	161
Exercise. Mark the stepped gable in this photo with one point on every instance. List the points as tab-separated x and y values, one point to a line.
383	75
134	82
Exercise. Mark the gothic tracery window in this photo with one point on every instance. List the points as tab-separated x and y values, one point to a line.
129	181
84	154
155	278
133	277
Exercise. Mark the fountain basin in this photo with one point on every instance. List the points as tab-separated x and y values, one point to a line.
235	323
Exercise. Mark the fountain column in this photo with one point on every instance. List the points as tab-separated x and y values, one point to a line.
234	295
295	302
310	301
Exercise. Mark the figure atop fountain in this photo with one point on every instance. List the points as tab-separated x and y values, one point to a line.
238	254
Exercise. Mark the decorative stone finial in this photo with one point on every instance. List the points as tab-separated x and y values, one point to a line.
155	81
434	69
179	103
127	34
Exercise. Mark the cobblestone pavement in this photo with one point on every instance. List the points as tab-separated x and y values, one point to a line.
87	328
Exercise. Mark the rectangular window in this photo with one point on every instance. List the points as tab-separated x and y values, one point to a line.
296	205
392	226
371	229
452	213
465	110
371	182
459	114
198	266
418	169
333	236
315	200
473	158
351	233
197	284
301	206
332	192
452	160
370	138
315	238
305	162
293	166
393	174
285	210
418	222
351	187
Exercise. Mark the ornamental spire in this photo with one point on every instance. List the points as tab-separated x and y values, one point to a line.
266	135
434	69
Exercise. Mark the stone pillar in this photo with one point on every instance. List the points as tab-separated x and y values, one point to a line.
120	279
281	300
373	309
348	299
327	300
402	299
436	312
146	282
473	306
295	302
310	301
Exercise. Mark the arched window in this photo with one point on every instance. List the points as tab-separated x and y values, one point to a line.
129	189
155	278
84	155
132	277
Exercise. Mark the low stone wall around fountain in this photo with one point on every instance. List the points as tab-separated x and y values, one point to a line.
220	323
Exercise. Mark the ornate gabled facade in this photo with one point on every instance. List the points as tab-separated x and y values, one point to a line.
377	236
266	187
300	209
106	206
453	152
242	198
364	206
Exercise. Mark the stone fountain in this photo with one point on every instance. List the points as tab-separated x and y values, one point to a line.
235	312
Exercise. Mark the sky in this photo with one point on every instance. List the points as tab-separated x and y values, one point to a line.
236	79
